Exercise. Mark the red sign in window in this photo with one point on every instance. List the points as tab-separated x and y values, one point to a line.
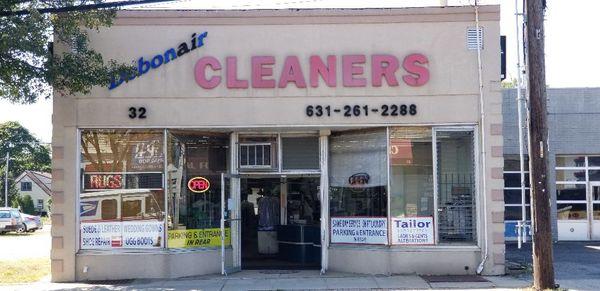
198	184
401	152
105	181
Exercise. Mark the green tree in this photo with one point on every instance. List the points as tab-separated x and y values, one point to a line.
26	153
28	67
26	204
509	83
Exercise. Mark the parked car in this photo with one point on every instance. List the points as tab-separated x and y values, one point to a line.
11	220
31	223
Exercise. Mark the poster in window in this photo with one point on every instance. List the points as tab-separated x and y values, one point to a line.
122	234
413	231
401	152
147	154
197	238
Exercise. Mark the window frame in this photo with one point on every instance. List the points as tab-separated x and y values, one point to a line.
256	166
26	186
588	201
79	183
277	168
280	150
477	184
527	191
477	227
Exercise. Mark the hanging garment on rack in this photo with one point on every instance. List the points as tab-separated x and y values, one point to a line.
268	213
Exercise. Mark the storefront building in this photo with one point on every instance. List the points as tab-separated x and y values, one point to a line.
574	163
365	141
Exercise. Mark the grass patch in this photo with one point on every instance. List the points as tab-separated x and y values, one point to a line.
24	271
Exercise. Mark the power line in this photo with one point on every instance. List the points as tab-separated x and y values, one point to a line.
81	7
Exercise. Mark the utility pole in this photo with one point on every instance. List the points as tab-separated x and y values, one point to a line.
6	180
543	269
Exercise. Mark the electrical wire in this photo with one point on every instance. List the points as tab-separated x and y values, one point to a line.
75	8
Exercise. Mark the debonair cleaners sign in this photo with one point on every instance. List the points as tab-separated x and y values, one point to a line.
147	64
328	69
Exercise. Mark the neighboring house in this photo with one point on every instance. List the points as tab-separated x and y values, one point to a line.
36	185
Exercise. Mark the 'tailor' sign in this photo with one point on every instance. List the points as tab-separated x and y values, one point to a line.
209	72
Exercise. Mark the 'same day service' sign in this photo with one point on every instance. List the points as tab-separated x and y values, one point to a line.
359	230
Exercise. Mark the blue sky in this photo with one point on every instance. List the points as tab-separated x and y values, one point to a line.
572	46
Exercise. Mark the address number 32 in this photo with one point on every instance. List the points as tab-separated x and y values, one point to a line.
137	112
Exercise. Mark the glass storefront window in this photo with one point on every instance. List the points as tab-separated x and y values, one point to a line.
594	175
513	204
594	161
358	173
356	200
358	186
570	161
571	211
568	192
456	186
570	175
512	163
122	203
300	153
516	213
512	196
195	161
513	213
514	179
411	170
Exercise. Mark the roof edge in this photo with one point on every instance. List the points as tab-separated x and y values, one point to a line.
310	12
36	180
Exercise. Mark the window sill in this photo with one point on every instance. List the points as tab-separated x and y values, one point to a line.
161	251
399	248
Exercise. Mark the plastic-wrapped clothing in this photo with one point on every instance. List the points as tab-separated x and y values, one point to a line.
268	213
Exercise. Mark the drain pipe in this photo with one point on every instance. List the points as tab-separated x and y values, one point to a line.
522	233
484	253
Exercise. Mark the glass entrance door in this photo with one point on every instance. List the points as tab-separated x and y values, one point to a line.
230	225
595	210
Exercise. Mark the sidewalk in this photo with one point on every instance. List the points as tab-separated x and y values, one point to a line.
284	280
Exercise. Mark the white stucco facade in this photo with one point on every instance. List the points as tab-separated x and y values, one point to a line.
175	98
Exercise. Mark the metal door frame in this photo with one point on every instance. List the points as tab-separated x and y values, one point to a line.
590	208
235	217
479	210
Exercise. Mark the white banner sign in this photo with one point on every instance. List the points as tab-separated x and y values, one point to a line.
143	234
413	231
100	235
359	230
126	234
